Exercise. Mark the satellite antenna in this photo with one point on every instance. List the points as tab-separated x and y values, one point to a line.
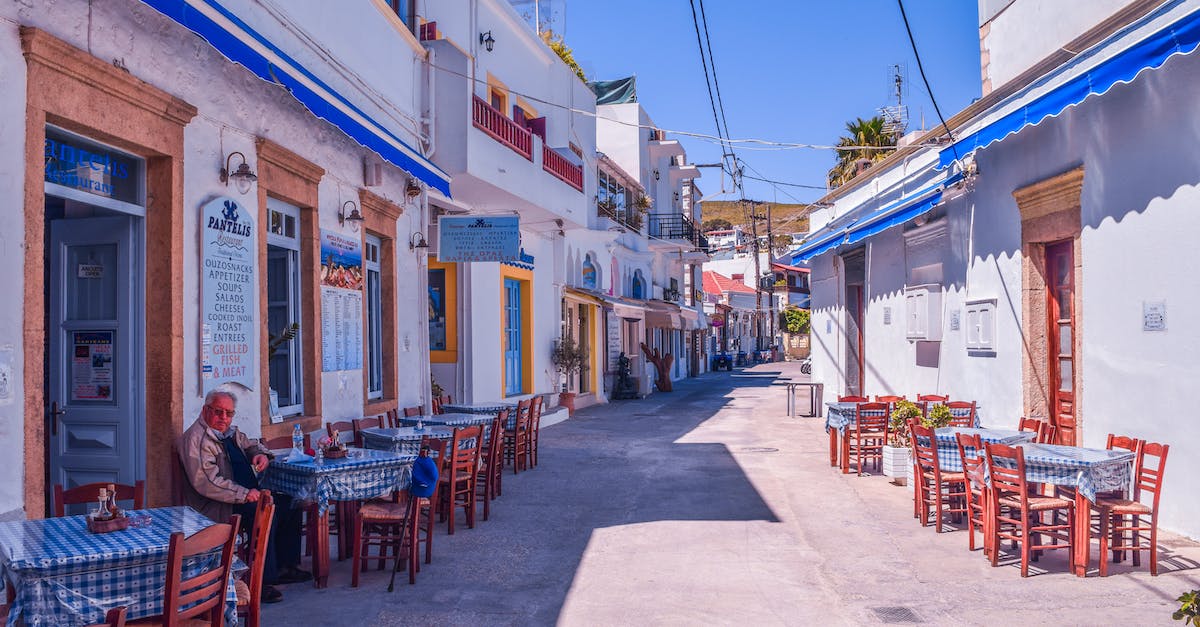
895	117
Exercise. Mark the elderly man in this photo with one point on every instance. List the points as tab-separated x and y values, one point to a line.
222	467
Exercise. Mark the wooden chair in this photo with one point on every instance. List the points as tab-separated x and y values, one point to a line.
869	434
1147	479
943	492
1029	424
535	427
436	404
888	399
340	512
1047	433
113	618
249	589
976	488
203	594
446	399
88	492
285	442
456	485
962	413
853	399
344	428
358	424
428	514
390	527
516	440
932	398
410	412
1015	514
491	467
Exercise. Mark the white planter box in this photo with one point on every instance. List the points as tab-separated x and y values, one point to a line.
897	464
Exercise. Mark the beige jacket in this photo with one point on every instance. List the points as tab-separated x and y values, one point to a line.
210	488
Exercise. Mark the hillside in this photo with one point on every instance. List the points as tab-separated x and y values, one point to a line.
783	215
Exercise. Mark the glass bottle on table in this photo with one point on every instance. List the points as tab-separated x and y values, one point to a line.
113	509
102	512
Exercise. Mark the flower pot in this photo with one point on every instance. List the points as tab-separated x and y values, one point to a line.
897	464
567	399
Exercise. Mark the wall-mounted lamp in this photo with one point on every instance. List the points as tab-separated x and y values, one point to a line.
242	177
417	241
675	196
487	40
412	189
656	174
352	215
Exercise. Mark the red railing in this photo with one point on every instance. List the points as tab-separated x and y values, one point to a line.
502	129
561	168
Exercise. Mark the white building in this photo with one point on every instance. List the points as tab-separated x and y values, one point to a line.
149	276
1038	262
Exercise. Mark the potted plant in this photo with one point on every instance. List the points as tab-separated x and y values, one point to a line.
569	358
897	453
937	417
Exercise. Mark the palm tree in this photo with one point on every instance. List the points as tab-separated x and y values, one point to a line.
860	132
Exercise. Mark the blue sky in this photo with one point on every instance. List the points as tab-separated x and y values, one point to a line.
790	70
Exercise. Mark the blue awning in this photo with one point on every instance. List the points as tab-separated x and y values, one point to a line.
241	44
1181	37
860	224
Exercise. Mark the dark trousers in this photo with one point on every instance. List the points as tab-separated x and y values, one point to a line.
283	546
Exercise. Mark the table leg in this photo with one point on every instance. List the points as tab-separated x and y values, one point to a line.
833	447
321	550
846	452
1082	538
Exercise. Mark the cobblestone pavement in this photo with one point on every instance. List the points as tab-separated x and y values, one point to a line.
709	505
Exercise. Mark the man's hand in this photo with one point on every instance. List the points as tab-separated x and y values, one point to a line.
252	496
260	462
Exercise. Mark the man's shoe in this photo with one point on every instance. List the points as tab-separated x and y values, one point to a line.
293	575
270	594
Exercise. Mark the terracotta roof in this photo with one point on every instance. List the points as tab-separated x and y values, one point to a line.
716	283
784	266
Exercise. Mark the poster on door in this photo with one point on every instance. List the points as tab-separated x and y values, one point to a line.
229	294
341	302
92	365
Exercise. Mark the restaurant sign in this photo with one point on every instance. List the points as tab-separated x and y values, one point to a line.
81	164
229	260
479	239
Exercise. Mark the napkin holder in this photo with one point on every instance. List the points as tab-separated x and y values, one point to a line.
116	523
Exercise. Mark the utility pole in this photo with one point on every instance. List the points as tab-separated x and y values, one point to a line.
770	258
754	218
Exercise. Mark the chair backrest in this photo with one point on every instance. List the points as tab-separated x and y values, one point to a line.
204	591
365	423
853	399
495	444
523	408
535	413
87	493
888	398
465	448
970	451
446	399
1007	476
932	398
437	449
1149	473
259	537
1029	424
924	446
113	618
436	404
284	441
871	418
1046	433
344	428
1123	442
393	418
179	484
962	413
409	412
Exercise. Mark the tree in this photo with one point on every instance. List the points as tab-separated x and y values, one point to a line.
859	133
563	51
781	242
662	367
716	224
794	319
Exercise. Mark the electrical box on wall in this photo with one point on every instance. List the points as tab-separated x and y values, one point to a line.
981	325
923	312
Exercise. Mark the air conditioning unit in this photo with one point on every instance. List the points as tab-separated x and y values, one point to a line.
923	312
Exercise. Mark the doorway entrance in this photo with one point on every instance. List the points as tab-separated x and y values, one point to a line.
855	265
1060	309
94	353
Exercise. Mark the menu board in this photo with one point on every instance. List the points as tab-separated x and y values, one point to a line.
92	366
341	302
228	308
479	239
614	340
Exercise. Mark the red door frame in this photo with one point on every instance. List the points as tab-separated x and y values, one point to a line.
1060	291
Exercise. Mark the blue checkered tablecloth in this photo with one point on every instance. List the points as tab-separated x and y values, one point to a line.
1087	469
404	440
450	420
490	408
948	457
842	415
365	474
63	575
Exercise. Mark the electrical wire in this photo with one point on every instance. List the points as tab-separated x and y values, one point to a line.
717	87
921	67
708	82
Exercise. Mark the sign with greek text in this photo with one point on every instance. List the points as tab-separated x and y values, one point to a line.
228	309
479	239
341	302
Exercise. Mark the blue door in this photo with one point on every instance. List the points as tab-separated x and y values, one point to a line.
512	337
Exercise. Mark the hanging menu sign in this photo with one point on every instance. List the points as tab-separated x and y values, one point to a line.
471	239
614	339
228	257
341	302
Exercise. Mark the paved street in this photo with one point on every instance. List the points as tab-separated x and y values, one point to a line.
710	506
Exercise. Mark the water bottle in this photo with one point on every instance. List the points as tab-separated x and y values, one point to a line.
297	438
320	456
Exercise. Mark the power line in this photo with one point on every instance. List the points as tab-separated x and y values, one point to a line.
800	185
921	68
707	81
717	85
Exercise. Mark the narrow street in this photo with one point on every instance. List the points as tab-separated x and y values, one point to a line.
708	505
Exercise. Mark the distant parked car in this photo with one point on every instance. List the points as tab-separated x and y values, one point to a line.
722	360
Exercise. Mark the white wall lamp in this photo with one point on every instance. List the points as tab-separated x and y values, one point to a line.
487	41
417	241
243	177
412	189
352	216
656	174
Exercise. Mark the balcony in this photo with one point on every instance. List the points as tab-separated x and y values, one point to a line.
627	217
676	226
561	168
491	121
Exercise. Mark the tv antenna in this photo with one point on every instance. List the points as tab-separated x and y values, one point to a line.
895	117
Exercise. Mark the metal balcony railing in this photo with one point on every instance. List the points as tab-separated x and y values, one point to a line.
631	218
676	226
561	168
491	121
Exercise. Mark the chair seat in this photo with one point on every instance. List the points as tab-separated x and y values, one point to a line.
948	477
382	510
1123	506
1037	503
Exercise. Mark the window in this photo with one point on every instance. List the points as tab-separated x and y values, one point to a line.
374	357
283	304
405	10
437	309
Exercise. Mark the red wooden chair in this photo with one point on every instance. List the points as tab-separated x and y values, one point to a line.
1029	424
932	398
203	594
976	489
87	493
1047	433
491	467
344	428
112	618
457	484
853	399
888	399
358	424
392	529
249	589
393	418
1147	480
962	413
535	427
284	442
941	492
1015	514
436	404
410	412
869	435
516	439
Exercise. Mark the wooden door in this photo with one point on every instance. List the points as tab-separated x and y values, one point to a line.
513	359
1060	310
